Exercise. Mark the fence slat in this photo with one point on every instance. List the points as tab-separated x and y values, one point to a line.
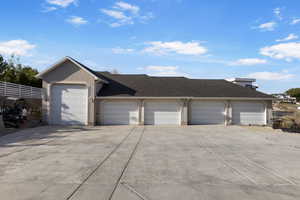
21	91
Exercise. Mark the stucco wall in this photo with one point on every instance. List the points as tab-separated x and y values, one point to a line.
69	73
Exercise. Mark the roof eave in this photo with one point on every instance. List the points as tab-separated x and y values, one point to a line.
185	97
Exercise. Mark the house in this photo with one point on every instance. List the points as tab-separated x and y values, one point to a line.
284	98
245	82
76	94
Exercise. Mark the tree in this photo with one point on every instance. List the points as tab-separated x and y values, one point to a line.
3	64
294	92
14	72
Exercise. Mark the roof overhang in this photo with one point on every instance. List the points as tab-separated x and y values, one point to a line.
57	64
188	98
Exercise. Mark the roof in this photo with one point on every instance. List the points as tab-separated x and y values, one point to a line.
95	74
80	65
141	85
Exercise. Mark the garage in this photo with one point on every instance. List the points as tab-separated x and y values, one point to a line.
118	112
162	113
80	95
247	113
207	112
69	105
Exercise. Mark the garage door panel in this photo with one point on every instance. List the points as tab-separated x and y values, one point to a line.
246	113
69	105
162	113
207	112
119	113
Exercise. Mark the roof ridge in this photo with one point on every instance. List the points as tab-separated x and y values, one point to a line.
121	74
209	79
168	77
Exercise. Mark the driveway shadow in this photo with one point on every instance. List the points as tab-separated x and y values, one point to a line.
39	135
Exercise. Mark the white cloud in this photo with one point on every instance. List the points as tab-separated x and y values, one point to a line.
61	3
121	18
271	75
77	21
289	37
269	26
295	21
119	50
113	13
49	9
158	70
116	24
249	61
146	17
188	48
287	51
277	13
125	14
16	47
126	6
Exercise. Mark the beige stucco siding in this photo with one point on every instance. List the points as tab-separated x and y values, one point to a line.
69	73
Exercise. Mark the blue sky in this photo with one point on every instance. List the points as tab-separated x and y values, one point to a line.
197	39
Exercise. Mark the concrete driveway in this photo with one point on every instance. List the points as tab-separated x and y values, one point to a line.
150	163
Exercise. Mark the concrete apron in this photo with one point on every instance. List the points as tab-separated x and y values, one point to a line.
106	179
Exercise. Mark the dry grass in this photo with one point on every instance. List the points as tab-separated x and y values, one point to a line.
292	121
287	107
297	117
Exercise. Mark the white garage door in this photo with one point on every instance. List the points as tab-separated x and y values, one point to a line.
119	113
247	113
207	112
69	105
162	113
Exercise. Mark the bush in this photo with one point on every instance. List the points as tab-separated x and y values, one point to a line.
277	124
287	123
297	118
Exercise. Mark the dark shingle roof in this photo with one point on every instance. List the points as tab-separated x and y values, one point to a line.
135	85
